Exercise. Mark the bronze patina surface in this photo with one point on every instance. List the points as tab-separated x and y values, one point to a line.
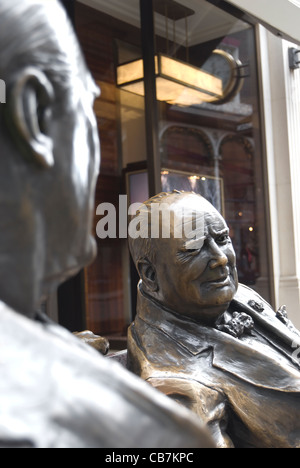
207	341
55	390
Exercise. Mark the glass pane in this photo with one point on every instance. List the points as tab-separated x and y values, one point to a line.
109	33
212	134
209	133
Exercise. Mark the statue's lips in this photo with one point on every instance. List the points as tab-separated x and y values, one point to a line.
219	282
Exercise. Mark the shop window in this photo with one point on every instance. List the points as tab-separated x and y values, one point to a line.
186	147
220	137
101	32
237	165
209	133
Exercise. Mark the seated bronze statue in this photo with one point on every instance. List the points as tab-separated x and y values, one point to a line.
207	341
55	390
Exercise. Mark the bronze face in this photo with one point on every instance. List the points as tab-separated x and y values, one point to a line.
51	156
205	340
196	276
77	161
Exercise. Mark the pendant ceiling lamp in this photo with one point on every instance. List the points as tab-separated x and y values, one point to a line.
177	82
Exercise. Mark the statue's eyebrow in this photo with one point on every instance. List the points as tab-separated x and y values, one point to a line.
198	242
217	233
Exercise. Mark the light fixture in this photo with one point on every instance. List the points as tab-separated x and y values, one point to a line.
177	82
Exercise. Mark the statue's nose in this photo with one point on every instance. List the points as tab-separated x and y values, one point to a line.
218	258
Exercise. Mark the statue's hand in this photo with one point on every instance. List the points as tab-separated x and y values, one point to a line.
100	343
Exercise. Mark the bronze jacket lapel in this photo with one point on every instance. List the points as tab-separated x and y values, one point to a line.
252	361
248	300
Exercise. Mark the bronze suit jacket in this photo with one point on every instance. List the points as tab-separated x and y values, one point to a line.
58	392
246	390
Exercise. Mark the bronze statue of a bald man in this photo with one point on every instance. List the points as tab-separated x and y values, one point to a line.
55	391
203	339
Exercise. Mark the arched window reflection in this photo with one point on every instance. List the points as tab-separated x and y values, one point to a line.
238	171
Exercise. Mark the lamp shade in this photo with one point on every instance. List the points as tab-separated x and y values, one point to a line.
177	82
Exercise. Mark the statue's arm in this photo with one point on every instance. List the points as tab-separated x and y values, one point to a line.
209	404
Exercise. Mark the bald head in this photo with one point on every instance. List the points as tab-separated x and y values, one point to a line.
175	214
49	153
37	33
192	268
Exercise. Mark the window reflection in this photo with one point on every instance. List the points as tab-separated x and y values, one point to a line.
213	147
221	139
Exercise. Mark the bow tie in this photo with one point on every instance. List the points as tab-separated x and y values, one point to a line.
237	325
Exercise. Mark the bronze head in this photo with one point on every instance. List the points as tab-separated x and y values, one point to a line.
191	271
49	153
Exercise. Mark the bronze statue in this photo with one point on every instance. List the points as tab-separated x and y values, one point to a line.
100	343
55	390
206	341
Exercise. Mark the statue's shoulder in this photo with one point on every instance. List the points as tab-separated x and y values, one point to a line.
276	322
247	297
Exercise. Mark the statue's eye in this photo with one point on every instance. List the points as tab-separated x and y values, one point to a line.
223	239
192	251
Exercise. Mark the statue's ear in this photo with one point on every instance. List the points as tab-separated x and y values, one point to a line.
147	274
30	100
